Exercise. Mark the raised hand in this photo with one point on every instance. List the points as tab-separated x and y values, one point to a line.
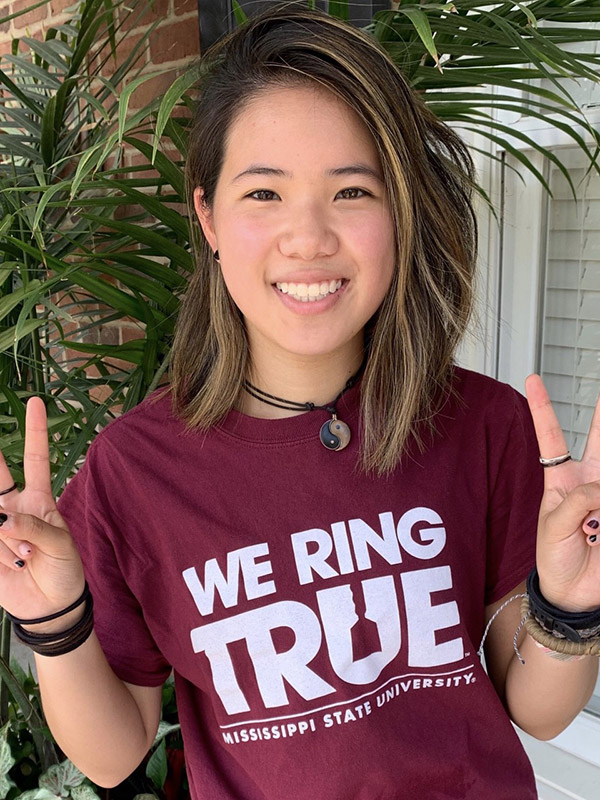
568	542
40	569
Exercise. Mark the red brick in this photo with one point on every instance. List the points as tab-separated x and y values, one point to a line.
100	394
136	16
175	42
130	333
56	6
185	6
125	46
5	47
27	19
152	88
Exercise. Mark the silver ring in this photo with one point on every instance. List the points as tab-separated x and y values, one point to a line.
554	462
10	489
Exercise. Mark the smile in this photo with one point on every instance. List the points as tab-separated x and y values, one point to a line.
309	292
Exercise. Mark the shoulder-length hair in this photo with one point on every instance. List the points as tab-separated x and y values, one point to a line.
428	174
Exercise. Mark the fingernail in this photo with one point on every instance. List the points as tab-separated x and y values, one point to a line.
19	563
592	538
3	518
593	523
24	549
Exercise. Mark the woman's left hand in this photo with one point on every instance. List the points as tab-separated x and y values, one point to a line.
568	552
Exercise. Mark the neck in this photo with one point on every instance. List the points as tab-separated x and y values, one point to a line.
300	379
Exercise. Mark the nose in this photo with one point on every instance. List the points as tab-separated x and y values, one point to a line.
308	234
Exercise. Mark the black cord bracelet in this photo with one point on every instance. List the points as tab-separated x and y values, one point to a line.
61	642
81	599
574	626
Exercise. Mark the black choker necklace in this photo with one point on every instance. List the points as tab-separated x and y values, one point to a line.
334	434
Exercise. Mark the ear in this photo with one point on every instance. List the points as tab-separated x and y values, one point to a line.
205	217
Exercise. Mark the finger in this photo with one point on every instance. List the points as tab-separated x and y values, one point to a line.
575	511
550	436
36	460
591	527
6	483
592	445
11	559
31	531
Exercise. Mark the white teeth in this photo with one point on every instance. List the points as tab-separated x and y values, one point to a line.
309	292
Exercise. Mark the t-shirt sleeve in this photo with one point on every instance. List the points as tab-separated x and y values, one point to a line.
118	618
516	491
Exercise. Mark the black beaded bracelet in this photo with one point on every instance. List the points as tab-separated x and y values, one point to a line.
62	642
576	627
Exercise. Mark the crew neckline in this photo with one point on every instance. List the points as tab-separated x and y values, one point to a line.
299	428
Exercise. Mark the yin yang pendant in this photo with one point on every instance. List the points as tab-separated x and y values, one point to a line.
335	434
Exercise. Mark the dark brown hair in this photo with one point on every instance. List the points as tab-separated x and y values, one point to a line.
428	175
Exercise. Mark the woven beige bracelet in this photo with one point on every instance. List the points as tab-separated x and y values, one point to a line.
558	644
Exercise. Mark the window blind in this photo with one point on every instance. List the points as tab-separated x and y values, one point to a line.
571	306
571	315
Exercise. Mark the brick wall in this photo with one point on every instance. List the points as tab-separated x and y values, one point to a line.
172	45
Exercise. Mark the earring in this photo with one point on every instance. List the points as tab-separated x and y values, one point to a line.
216	254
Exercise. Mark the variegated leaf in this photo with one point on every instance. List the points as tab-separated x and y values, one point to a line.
84	792
6	759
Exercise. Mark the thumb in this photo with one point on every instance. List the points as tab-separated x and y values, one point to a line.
571	513
51	539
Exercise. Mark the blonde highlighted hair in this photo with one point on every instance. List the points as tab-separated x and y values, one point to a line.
428	173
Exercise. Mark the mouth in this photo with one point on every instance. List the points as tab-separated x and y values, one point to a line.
310	292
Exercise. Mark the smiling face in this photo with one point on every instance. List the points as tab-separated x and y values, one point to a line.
300	219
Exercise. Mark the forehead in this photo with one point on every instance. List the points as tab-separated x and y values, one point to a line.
298	123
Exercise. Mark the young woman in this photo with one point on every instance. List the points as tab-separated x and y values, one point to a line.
313	525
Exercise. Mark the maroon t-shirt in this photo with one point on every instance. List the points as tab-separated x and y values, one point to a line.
323	626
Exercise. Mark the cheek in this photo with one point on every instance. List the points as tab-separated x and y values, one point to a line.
246	233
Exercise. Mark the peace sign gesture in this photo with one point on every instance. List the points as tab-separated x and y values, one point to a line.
568	552
40	569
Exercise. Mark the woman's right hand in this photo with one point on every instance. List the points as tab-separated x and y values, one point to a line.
35	536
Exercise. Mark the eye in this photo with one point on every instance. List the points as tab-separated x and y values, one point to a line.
352	193
259	194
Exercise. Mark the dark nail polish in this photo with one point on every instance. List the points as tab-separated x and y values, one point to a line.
593	523
20	563
592	538
3	518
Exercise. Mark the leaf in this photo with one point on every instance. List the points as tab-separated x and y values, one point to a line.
126	97
6	760
84	792
17	409
156	768
339	9
53	779
71	775
48	51
421	22
8	337
172	95
22	11
5	785
239	14
164	729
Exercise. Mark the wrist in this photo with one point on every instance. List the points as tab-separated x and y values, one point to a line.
564	604
572	626
63	623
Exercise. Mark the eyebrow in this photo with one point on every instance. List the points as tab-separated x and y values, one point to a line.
351	169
